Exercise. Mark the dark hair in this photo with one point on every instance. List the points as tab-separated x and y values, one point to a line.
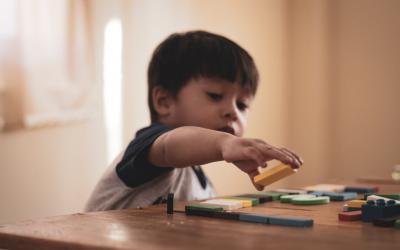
184	56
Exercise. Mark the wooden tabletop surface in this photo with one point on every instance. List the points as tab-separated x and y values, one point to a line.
152	228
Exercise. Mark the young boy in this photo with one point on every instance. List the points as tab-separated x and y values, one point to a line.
201	86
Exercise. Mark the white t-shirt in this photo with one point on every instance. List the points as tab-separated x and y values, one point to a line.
131	181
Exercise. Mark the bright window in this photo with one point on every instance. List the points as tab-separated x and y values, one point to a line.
112	88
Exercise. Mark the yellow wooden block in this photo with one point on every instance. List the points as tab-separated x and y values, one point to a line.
274	174
245	203
356	203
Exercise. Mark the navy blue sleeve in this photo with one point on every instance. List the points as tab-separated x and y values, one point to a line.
134	169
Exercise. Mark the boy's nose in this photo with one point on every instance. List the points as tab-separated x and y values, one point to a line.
231	113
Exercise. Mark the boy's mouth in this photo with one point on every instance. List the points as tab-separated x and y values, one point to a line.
228	130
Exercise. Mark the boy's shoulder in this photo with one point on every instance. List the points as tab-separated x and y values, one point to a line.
155	126
153	129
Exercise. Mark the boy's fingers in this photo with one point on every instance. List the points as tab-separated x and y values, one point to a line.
256	155
252	175
271	152
294	155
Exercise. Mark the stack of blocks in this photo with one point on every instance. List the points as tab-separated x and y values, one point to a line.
379	209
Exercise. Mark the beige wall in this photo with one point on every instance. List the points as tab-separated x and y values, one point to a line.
329	90
345	82
366	73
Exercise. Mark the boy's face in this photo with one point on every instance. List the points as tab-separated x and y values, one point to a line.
211	103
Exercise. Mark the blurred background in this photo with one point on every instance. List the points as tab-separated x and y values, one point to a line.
73	89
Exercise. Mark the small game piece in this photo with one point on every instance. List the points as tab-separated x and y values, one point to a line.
290	221
288	198
254	218
245	202
202	210
335	196
227	205
170	203
275	195
387	196
253	201
290	191
397	224
346	208
217	212
274	174
227	215
326	188
311	201
204	207
262	198
350	216
356	203
376	197
361	189
385	222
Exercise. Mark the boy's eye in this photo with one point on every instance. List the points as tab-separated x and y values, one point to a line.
242	106
215	96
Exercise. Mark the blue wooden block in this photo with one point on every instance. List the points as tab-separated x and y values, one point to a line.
290	221
254	218
335	196
361	189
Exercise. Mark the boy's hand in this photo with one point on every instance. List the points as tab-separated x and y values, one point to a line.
249	154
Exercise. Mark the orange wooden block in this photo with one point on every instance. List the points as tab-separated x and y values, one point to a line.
274	174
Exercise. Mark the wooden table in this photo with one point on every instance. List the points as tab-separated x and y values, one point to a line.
152	228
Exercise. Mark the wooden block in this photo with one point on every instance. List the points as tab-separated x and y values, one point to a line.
386	222
290	221
346	208
290	191
356	203
253	201
397	224
254	218
379	209
274	174
290	197
361	189
326	188
227	205
262	198
210	211
204	207
275	195
376	197
350	216
227	215
311	201
245	203
337	196
388	196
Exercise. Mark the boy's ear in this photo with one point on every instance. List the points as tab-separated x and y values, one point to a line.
162	101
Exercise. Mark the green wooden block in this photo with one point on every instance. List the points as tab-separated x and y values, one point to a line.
390	196
204	207
397	224
254	201
275	195
290	197
311	201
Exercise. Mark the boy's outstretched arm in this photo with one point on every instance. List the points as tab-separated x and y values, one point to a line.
187	146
